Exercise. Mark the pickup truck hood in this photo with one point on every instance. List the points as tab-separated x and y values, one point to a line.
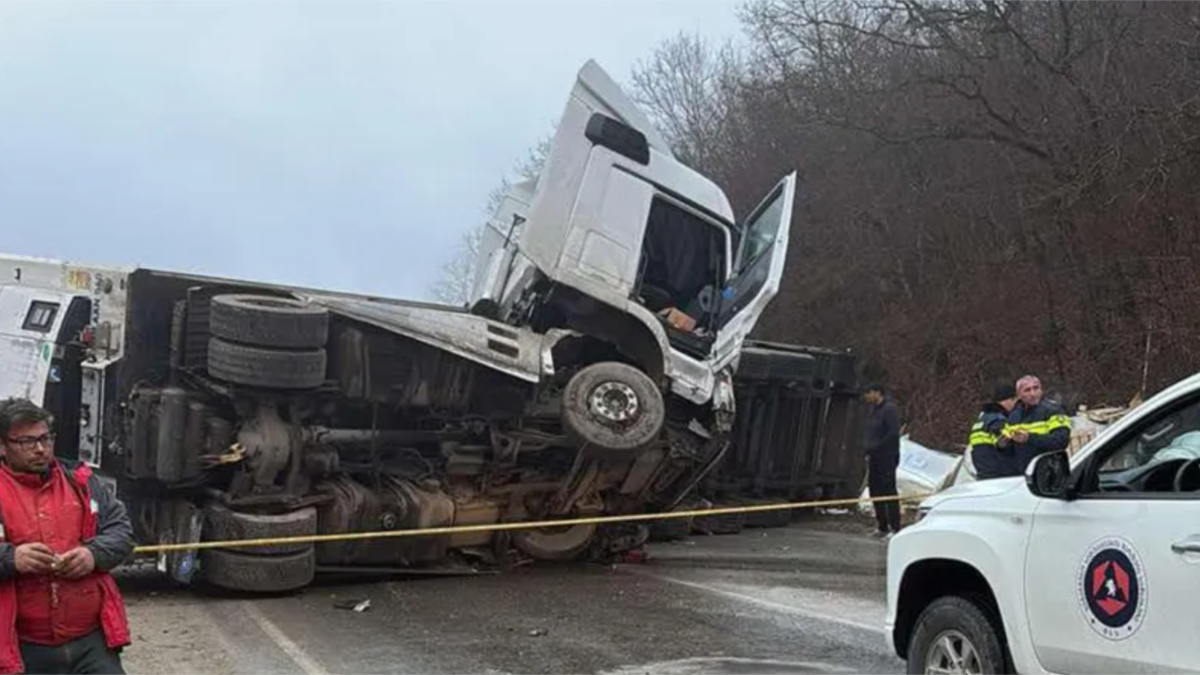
979	490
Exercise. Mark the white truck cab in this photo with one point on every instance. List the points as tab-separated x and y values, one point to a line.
1090	564
616	233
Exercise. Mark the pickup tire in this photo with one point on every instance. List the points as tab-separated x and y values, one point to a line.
955	626
268	321
235	571
222	524
267	368
612	406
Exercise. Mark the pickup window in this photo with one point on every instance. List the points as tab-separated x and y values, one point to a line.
1147	459
40	316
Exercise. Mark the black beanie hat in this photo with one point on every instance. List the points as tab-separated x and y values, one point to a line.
1003	392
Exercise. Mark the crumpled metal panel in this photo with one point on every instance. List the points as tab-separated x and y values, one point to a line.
513	351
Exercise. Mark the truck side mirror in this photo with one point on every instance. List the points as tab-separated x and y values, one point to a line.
1048	475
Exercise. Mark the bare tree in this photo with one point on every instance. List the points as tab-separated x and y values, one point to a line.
454	285
987	187
688	86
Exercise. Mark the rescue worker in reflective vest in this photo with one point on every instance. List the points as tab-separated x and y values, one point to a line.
992	452
61	531
1036	425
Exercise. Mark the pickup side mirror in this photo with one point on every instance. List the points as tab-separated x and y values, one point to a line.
1049	474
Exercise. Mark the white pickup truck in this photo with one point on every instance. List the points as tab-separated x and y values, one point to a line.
1090	564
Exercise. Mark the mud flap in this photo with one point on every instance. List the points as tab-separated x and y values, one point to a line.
185	523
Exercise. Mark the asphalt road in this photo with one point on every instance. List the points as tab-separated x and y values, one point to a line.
801	599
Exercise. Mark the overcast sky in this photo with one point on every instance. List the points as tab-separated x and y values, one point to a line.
343	144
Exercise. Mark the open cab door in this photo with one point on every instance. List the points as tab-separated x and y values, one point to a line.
757	270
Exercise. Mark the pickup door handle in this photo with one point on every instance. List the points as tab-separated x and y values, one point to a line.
1189	545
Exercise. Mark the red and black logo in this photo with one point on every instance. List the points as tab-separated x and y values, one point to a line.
1112	589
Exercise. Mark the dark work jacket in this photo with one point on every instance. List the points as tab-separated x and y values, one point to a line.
991	460
1048	427
881	433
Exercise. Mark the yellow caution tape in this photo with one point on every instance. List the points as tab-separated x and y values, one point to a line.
500	527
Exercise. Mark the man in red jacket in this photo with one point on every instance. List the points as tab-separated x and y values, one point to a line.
61	531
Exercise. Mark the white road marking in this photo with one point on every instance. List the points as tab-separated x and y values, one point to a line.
768	604
286	644
724	664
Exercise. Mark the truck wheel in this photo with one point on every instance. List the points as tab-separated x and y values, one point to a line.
268	368
554	543
672	529
613	406
258	573
268	321
726	523
222	524
953	635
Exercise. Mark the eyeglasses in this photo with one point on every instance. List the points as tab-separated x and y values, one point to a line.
30	442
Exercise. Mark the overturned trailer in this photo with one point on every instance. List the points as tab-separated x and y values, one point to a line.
796	437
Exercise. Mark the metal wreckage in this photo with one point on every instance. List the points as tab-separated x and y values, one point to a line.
602	367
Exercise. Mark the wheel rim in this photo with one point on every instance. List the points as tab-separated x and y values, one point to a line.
614	403
952	653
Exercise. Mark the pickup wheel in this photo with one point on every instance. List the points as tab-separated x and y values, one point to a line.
267	368
268	321
954	635
613	406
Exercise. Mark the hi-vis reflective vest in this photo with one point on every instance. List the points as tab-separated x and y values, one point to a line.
1041	427
980	436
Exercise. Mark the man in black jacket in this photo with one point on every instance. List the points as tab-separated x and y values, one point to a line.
881	440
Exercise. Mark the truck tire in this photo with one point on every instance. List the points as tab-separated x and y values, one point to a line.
612	406
268	321
673	529
257	573
964	626
558	543
267	368
725	523
222	524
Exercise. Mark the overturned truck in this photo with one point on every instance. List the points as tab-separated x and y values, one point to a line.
591	374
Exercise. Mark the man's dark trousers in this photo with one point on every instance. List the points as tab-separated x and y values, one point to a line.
87	654
881	481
